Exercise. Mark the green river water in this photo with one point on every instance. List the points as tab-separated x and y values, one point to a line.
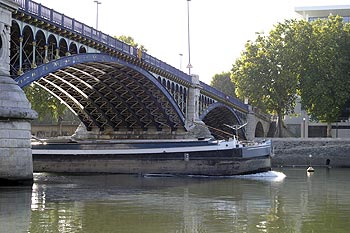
285	200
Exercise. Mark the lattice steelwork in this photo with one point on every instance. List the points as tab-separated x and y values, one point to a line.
112	95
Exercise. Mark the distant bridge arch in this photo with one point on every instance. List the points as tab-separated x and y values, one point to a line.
259	130
219	114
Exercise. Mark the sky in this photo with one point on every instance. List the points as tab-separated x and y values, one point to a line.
218	29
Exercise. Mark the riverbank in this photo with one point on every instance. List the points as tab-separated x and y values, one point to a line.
331	152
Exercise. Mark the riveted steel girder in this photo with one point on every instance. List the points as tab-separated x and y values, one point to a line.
106	92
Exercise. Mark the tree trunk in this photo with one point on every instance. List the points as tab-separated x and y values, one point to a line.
329	129
279	121
60	119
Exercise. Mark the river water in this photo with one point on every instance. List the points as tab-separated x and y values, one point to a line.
285	200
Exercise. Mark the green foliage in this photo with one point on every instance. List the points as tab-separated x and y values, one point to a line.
44	103
265	73
224	83
325	82
130	41
298	58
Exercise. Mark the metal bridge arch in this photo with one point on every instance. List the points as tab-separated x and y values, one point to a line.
105	91
80	38
219	114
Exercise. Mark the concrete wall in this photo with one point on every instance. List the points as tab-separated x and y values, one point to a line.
323	151
51	130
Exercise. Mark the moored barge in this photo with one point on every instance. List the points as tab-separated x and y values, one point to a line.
176	157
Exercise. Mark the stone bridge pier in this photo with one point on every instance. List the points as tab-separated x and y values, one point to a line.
16	165
196	128
258	124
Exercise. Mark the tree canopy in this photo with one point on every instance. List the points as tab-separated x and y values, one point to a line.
130	41
325	74
310	59
224	83
263	73
44	103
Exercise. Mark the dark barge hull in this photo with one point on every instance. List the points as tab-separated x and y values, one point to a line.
160	158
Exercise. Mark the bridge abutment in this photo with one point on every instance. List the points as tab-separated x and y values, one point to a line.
16	165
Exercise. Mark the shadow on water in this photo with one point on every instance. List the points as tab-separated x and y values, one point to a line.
15	212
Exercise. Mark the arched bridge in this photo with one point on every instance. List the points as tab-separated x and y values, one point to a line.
114	88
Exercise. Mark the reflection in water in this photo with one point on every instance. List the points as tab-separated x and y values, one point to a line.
122	203
15	209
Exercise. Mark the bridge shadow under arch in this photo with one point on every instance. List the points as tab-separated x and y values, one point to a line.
107	92
216	116
259	130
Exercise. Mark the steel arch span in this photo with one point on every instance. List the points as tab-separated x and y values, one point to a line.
219	114
105	91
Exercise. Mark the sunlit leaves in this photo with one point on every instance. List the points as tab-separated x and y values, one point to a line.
130	41
298	57
325	81
263	73
224	83
44	103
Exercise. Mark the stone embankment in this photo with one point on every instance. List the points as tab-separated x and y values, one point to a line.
324	152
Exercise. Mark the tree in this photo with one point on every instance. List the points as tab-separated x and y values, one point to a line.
224	83
44	103
130	41
298	57
265	72
324	76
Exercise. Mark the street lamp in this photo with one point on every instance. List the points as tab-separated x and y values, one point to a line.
180	54
97	3
189	66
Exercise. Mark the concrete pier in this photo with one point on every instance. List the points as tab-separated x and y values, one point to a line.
16	166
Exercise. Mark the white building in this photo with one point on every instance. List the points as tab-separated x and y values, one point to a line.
311	13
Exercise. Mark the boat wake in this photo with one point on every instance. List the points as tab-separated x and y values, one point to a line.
268	176
155	175
273	176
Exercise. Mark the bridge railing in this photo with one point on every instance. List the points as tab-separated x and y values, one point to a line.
70	24
228	98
